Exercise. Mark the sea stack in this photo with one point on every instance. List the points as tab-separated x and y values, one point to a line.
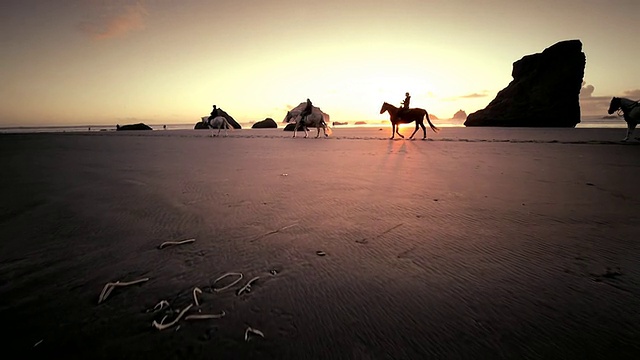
544	91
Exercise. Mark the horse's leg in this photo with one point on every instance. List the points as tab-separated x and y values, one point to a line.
414	131
393	131
398	131
630	127
424	130
295	128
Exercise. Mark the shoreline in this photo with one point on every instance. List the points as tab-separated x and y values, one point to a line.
587	122
455	134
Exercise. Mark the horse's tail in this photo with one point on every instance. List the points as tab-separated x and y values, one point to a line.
329	131
228	125
326	122
433	127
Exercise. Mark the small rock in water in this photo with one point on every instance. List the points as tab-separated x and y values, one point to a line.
320	253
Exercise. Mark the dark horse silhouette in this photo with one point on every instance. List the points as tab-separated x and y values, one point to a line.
408	116
630	111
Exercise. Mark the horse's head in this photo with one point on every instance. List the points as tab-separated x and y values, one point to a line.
385	107
614	105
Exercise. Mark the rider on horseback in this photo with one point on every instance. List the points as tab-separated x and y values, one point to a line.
214	113
307	110
405	104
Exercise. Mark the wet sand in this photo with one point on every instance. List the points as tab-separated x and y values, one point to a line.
479	243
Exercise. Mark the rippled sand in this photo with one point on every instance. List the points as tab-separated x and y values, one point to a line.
479	243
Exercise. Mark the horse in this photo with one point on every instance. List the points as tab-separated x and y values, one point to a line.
317	118
217	122
413	114
630	111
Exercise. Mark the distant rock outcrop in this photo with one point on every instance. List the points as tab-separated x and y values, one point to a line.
291	126
544	91
138	126
459	115
203	125
267	123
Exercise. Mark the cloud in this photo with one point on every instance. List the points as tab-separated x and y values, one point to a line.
115	20
592	105
476	95
586	91
482	94
633	94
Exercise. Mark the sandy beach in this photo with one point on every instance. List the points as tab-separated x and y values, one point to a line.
480	243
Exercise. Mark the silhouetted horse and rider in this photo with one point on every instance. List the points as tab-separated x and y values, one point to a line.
630	111
406	115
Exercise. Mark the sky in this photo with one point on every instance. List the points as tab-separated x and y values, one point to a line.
77	62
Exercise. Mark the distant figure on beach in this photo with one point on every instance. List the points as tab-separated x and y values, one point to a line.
307	110
164	127
117	126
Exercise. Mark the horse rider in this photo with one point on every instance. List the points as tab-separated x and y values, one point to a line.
214	113
307	110
405	104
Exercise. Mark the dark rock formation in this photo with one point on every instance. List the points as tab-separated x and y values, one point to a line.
291	126
138	126
235	123
459	115
544	91
267	123
203	124
336	123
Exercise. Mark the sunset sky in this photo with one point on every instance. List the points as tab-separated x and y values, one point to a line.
167	61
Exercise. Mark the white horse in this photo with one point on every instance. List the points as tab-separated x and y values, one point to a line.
217	122
630	111
317	118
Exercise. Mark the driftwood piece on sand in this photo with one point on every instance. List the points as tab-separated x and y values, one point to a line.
205	316
170	243
162	326
108	288
228	286
247	287
196	291
251	330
